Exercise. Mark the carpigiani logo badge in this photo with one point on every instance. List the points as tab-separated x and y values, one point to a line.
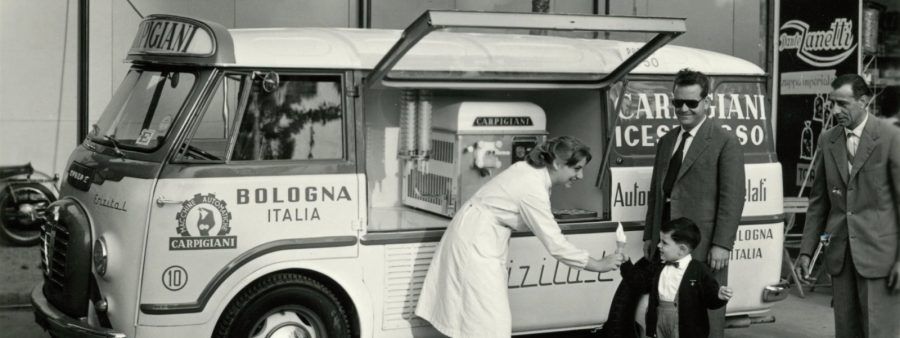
203	223
823	48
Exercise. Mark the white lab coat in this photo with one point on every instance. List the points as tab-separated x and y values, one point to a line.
465	293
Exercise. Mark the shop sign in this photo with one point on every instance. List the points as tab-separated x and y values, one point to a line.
647	115
813	48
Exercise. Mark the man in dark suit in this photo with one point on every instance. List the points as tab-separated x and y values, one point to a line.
698	173
854	198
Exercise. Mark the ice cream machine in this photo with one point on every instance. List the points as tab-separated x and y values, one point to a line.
466	144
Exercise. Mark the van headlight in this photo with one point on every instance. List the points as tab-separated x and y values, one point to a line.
100	256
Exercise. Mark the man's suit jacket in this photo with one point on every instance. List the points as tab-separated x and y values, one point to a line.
709	189
859	208
697	292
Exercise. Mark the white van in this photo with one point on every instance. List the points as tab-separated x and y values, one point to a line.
268	182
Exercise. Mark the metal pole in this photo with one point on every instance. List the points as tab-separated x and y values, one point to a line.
540	6
83	60
364	14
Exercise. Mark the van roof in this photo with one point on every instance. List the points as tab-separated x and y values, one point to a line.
350	48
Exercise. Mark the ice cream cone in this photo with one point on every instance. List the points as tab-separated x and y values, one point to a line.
621	240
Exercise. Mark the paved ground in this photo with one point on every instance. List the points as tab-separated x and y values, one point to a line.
796	317
20	268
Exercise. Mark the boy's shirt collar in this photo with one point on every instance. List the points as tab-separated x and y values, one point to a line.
682	262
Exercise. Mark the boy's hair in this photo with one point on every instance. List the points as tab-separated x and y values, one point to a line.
683	231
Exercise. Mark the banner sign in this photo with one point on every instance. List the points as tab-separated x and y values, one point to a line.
813	47
647	114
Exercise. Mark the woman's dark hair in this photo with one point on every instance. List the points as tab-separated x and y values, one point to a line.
688	77
684	231
565	147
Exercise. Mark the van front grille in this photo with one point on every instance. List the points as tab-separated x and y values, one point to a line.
55	246
66	259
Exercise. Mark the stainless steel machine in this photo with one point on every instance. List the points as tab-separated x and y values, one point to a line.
470	141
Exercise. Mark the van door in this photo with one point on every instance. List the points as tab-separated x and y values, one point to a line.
267	165
508	61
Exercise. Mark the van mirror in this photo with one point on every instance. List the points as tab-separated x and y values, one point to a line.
270	81
173	80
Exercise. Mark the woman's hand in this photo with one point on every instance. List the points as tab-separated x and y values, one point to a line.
608	263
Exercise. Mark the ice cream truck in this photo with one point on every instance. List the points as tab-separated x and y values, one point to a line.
295	182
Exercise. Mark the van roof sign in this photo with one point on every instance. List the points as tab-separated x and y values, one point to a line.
169	38
172	37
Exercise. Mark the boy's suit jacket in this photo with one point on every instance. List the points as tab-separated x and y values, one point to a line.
697	292
859	208
709	188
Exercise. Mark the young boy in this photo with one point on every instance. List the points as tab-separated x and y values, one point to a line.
681	288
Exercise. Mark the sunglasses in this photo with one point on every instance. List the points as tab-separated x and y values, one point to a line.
690	103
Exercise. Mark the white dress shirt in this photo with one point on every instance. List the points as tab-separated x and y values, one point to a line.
690	140
853	137
670	279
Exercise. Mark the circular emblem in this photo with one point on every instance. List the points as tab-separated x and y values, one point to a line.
174	278
203	215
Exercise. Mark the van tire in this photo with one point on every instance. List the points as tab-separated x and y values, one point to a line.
295	300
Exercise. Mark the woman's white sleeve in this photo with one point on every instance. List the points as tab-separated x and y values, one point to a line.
535	211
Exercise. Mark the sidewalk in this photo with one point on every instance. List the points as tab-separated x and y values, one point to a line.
795	317
21	271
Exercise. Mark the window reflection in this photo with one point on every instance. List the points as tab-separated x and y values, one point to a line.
301	119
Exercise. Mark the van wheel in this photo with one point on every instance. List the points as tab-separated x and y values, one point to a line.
284	305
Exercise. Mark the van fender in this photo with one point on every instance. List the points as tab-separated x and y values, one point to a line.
203	313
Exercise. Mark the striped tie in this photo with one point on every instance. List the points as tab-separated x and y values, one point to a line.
852	144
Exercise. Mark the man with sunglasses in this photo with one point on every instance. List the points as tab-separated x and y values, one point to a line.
698	173
854	198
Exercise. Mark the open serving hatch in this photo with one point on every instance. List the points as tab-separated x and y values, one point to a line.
456	49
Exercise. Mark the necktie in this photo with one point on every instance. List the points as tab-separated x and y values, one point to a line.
674	166
852	144
673	263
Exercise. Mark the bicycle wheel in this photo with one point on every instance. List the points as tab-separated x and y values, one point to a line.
20	205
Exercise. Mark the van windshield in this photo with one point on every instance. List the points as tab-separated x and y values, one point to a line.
142	110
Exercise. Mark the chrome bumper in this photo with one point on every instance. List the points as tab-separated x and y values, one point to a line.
61	325
774	293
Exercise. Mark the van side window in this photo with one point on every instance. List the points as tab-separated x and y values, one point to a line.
210	139
300	119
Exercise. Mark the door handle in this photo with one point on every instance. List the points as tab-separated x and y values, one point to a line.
161	201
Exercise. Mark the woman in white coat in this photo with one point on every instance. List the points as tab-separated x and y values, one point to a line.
465	292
